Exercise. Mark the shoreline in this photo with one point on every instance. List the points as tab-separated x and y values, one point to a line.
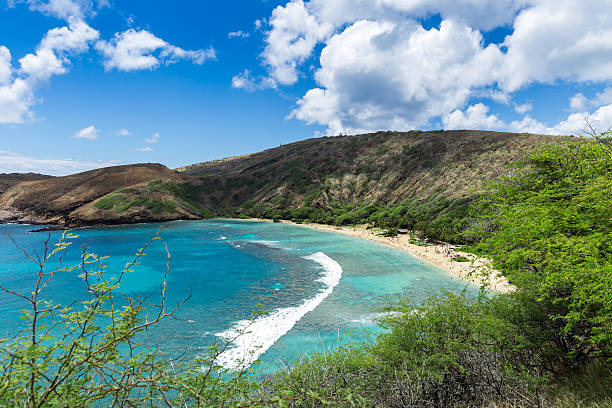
477	271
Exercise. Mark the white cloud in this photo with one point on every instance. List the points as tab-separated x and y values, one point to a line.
559	39
89	132
6	71
246	81
604	97
74	38
16	99
523	108
42	65
143	149
578	102
65	9
381	75
298	26
380	69
480	14
129	50
153	139
477	117
49	58
17	86
18	163
292	39
600	119
123	132
238	34
139	50
62	8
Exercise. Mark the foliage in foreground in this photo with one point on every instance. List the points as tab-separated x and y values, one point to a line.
88	353
549	229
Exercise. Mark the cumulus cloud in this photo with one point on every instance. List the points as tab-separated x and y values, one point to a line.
139	50
604	97
379	75
65	9
480	14
578	102
129	50
74	38
523	108
42	65
297	27
379	68
559	39
17	86
143	149
89	132
11	162
600	119
6	71
477	117
294	34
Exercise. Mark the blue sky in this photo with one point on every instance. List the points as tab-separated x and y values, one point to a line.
89	83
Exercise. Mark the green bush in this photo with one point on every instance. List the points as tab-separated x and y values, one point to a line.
161	206
111	201
549	229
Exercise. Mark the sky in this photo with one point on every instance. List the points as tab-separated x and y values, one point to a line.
94	83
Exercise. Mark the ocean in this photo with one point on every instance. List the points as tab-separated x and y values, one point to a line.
321	289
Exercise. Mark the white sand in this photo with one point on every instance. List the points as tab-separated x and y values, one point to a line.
477	270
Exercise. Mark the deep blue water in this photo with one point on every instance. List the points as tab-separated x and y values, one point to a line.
229	267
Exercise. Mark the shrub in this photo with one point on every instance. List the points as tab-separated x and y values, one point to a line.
87	353
549	229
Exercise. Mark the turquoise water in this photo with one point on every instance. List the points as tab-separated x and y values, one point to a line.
321	288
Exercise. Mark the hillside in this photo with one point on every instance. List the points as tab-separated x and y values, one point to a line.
65	200
417	180
372	169
8	180
387	178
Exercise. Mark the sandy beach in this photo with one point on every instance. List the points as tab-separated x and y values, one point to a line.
476	270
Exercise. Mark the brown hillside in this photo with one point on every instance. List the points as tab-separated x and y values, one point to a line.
382	168
50	200
8	180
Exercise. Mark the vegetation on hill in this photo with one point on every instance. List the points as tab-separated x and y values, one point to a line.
547	226
53	200
156	200
417	180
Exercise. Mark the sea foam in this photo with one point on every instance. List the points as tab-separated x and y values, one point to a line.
254	337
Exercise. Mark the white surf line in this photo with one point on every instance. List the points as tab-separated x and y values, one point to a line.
255	337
